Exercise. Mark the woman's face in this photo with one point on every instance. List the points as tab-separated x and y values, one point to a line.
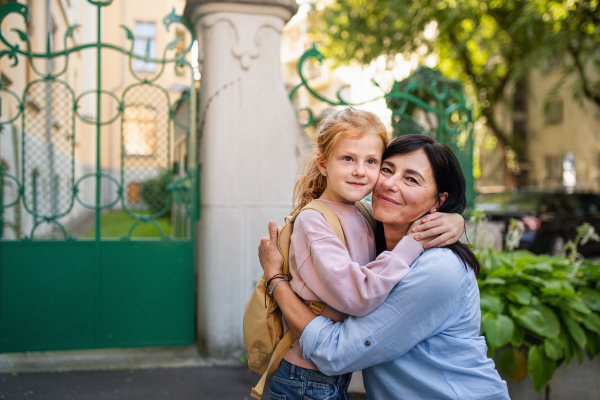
405	189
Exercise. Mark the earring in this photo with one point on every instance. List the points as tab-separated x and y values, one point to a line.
324	173
434	209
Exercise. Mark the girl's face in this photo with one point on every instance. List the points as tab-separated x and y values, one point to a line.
352	169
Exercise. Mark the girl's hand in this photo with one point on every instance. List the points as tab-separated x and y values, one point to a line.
268	253
441	229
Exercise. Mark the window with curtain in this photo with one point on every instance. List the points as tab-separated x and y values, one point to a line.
139	130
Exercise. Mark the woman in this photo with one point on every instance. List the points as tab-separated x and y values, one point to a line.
423	342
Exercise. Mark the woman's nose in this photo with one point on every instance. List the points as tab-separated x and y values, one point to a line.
390	184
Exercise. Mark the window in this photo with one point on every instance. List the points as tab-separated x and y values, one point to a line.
144	43
553	112
553	167
139	130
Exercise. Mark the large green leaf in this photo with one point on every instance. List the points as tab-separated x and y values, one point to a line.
512	363
540	266
492	303
492	281
553	284
541	368
577	305
518	336
553	348
576	331
519	294
498	329
551	322
529	318
566	340
592	322
591	297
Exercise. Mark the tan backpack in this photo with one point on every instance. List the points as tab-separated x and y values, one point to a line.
265	343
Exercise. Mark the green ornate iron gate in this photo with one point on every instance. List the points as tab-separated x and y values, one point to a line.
59	291
426	102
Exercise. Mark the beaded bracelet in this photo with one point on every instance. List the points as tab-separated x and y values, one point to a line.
271	291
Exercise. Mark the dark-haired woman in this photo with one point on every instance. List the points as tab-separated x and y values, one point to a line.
423	342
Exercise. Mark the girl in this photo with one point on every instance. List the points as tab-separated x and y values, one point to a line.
342	170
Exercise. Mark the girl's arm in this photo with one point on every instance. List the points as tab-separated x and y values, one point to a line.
447	227
327	271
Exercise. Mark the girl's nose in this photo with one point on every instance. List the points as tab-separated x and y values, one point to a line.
359	170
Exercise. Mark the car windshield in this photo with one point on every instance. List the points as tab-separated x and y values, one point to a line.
509	202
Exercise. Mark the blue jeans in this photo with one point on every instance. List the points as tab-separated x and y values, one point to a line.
291	382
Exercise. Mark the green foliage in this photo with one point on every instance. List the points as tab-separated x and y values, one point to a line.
155	194
488	44
548	305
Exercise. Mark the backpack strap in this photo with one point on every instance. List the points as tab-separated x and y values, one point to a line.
284	232
330	217
367	213
280	351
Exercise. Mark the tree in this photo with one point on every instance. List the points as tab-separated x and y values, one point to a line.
575	37
488	44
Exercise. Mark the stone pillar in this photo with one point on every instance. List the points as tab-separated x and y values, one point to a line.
250	146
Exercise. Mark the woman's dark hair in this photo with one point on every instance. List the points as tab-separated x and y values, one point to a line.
448	177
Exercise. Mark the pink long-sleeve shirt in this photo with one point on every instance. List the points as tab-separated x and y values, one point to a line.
344	278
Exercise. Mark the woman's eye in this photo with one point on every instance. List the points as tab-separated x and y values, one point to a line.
347	158
411	179
386	170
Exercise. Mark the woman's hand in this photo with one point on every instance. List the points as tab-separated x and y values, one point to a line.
268	253
438	229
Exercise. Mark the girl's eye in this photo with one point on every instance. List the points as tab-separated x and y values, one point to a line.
347	158
372	161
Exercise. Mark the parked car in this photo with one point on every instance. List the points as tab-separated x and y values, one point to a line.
550	219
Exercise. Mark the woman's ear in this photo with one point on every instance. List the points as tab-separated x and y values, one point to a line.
321	164
442	197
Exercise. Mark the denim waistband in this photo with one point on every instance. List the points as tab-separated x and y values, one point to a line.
314	374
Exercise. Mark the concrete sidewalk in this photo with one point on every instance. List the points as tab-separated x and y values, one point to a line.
125	374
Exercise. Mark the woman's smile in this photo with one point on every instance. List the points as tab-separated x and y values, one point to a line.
386	199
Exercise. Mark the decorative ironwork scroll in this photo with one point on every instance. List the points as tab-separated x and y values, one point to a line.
426	102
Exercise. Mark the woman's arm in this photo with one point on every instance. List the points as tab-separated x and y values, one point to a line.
429	300
447	227
297	314
327	271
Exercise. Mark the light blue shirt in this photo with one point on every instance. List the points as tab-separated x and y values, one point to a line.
422	343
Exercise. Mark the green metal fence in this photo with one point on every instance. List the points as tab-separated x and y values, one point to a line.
426	102
59	290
